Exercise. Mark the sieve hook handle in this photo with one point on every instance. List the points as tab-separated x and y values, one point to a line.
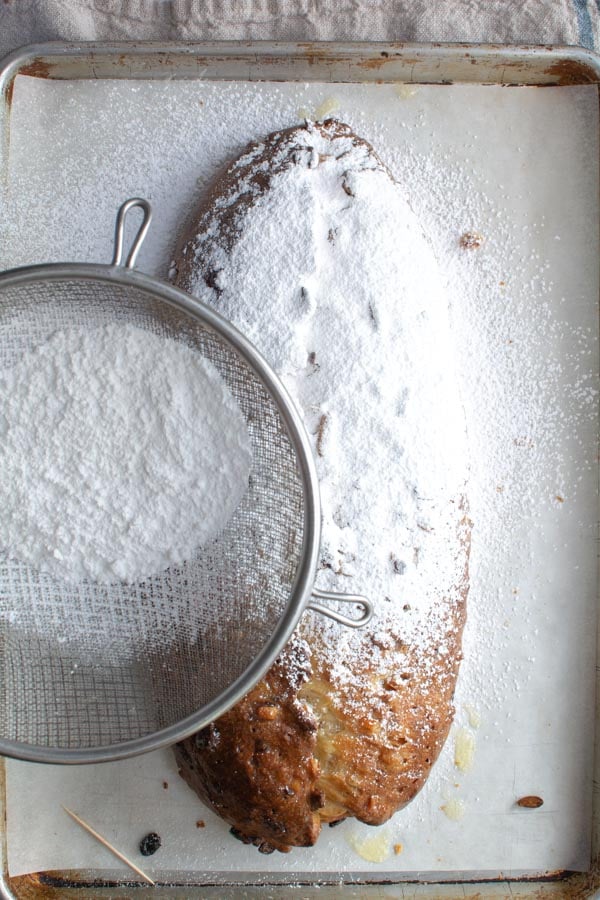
351	622
117	259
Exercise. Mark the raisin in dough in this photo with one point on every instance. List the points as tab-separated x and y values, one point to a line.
307	244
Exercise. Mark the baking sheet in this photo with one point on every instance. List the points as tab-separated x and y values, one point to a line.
518	166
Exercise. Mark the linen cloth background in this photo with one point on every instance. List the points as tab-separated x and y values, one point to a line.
503	21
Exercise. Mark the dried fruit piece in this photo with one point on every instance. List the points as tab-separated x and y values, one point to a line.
471	240
530	802
267	713
150	844
312	362
320	433
398	565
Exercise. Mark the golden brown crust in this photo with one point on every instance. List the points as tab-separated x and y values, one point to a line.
296	754
256	765
304	747
375	755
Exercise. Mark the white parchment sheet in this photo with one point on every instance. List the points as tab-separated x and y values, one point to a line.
518	166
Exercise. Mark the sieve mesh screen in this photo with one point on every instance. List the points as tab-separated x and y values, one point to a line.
75	677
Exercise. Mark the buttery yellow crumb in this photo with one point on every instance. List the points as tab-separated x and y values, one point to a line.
327	106
464	749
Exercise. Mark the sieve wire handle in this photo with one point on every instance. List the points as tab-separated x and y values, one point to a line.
350	622
138	202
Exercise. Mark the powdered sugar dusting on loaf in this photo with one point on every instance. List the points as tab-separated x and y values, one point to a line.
331	276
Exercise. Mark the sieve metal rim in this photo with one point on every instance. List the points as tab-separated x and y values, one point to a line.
303	586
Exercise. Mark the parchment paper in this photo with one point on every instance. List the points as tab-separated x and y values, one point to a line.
520	167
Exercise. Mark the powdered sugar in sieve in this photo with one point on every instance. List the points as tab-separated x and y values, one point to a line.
121	452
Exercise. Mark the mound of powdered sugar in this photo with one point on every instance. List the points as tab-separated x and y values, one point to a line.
120	453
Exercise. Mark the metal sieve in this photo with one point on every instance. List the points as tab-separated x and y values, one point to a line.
77	690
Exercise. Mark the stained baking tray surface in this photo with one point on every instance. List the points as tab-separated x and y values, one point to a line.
519	168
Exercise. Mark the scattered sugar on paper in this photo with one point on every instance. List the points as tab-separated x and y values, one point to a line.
528	399
448	198
121	452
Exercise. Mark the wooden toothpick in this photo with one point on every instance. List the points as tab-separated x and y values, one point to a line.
110	847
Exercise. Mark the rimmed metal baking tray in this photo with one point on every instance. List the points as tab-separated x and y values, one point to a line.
320	62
